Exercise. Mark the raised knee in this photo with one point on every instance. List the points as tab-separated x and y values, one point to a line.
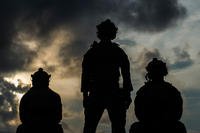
180	127
137	127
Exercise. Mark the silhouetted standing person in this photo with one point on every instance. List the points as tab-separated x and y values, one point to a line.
158	104
100	81
40	108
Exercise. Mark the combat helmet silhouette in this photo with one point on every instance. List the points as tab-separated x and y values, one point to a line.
40	78
40	75
106	30
158	104
156	69
40	108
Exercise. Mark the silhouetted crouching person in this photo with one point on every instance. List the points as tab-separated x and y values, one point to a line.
40	108
158	104
100	81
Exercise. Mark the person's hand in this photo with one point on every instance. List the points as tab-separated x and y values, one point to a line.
126	98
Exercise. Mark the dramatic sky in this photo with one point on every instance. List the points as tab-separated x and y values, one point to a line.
55	34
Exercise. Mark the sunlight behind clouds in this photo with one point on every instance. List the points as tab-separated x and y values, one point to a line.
48	55
48	58
21	78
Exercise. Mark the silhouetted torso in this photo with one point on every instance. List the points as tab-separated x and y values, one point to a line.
158	104
41	106
41	111
101	68
158	101
158	107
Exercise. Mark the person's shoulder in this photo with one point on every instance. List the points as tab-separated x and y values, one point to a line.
53	93
170	87
116	46
93	47
118	49
147	84
27	95
143	88
147	87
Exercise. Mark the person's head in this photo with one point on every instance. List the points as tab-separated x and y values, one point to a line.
106	30
156	70
40	78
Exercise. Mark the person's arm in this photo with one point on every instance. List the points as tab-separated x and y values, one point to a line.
84	76
127	85
59	109
177	105
85	80
125	71
23	110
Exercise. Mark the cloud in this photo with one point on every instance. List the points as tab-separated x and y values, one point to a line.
182	58
9	104
152	16
66	127
198	54
14	56
144	57
192	111
37	20
126	42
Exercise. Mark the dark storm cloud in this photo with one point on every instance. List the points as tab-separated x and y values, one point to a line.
182	59
144	58
14	57
9	102
38	18
152	15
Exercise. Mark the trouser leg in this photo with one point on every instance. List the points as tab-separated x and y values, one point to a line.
117	115
92	117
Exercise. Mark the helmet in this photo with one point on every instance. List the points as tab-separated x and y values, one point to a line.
157	67
40	75
107	30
